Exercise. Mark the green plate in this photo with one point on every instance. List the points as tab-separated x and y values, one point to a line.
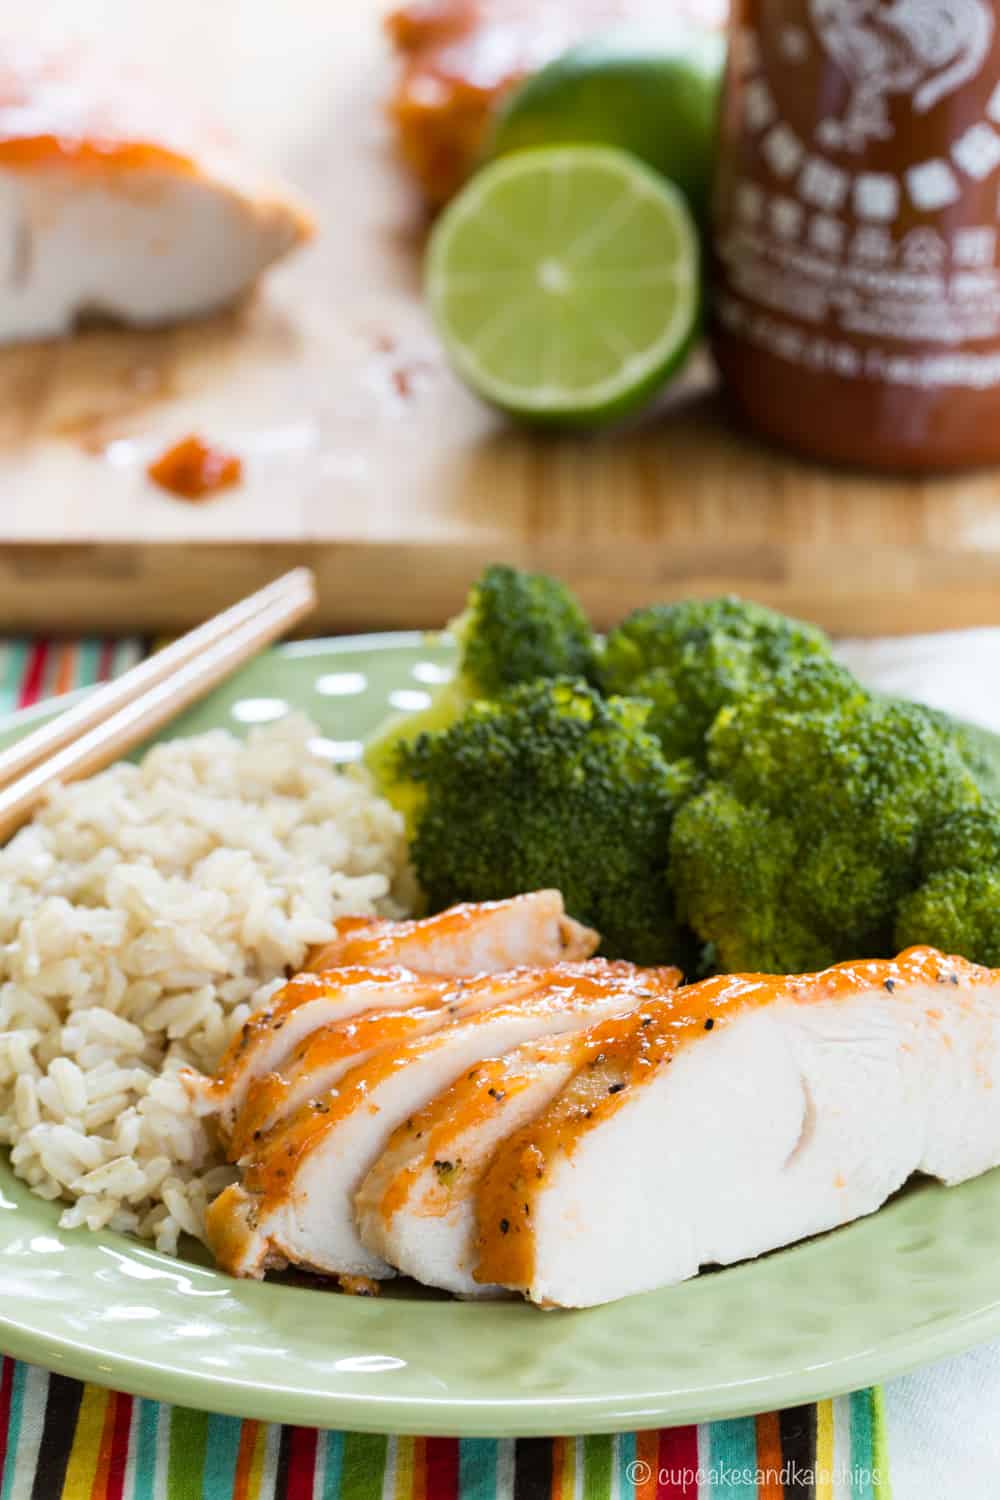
917	1281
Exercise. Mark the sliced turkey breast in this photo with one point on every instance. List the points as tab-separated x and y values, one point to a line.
474	938
740	1115
382	965
296	1201
115	203
417	1206
324	1056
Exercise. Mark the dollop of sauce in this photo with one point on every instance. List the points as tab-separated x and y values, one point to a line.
359	1286
193	470
463	57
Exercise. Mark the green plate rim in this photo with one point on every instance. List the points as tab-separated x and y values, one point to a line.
943	1269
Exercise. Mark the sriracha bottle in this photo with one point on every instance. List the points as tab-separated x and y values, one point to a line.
857	312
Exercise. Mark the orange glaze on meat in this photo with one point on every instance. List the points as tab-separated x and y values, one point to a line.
301	990
330	1045
371	941
28	152
193	470
381	941
318	1049
326	956
474	1098
470	1101
270	1174
630	1051
67	109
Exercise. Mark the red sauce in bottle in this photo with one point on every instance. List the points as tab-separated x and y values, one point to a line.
857	316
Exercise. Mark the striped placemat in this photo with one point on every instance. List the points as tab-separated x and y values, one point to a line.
63	1441
60	1440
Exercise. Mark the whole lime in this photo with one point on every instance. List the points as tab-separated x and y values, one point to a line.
653	94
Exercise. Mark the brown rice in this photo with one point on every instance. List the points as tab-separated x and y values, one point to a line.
142	915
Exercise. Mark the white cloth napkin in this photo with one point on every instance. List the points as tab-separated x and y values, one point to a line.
958	671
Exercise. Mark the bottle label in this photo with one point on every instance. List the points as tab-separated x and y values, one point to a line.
858	234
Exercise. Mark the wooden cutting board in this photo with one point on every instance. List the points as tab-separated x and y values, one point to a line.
364	457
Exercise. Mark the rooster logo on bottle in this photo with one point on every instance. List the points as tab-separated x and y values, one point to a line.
923	48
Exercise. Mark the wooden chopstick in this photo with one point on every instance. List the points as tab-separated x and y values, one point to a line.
96	707
140	717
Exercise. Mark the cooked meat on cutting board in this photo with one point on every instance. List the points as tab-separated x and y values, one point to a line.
117	204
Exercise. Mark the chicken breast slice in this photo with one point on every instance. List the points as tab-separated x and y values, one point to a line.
296	1202
383	965
118	203
474	938
417	1206
322	1059
304	1005
749	1113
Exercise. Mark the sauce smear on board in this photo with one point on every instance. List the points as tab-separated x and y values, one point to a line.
193	470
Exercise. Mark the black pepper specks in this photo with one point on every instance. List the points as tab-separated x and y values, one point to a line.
709	1024
890	985
616	1088
497	1094
505	1226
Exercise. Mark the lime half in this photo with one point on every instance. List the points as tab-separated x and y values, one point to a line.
565	283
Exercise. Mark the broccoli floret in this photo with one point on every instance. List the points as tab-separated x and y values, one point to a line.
957	911
977	747
516	627
808	832
967	840
693	658
553	786
957	908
